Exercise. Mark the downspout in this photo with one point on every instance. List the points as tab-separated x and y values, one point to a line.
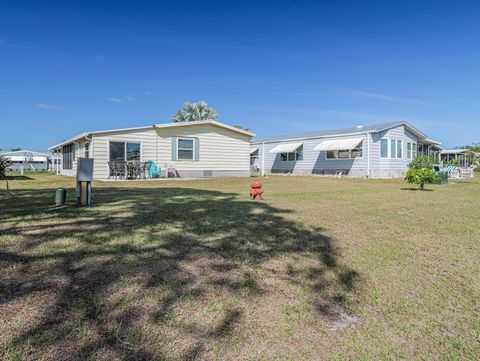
156	144
368	154
263	159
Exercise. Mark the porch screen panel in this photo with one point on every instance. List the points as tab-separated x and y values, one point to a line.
67	156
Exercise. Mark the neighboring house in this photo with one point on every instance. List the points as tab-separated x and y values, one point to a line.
376	151
27	160
464	157
193	149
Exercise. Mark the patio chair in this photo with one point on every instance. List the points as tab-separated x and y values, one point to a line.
142	169
119	169
153	170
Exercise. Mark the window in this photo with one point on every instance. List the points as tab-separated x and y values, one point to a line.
185	149
133	151
357	153
117	151
409	150
345	153
399	149
254	156
414	150
384	148
395	151
124	151
292	156
331	154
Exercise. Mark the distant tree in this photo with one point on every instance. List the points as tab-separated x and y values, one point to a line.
16	149
474	147
4	166
192	112
242	127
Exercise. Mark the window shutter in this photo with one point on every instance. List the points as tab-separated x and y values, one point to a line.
197	149
174	148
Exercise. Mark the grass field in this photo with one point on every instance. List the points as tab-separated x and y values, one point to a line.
173	270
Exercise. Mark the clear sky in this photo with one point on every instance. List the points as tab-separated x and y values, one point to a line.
277	67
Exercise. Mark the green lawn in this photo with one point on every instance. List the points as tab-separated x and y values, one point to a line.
171	270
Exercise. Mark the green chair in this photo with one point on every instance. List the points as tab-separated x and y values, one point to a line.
153	170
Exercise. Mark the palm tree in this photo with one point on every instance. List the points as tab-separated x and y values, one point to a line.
192	112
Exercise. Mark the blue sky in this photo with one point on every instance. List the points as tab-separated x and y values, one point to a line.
276	67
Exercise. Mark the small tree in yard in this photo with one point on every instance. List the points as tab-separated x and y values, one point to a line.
420	171
422	161
4	166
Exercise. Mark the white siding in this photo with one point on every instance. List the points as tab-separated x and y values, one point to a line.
314	162
384	167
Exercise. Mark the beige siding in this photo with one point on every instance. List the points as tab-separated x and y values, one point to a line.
220	149
101	152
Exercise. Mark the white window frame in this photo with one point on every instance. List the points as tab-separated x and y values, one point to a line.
388	148
394	141
401	149
409	151
296	155
193	149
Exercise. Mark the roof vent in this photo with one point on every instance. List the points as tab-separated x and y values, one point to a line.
359	126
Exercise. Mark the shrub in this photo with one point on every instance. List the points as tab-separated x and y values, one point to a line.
4	167
422	161
420	176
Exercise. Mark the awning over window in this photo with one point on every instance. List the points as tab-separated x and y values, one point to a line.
286	148
339	144
253	150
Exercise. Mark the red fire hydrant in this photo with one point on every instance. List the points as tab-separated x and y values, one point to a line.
256	190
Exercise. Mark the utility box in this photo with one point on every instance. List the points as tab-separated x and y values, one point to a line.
84	181
85	170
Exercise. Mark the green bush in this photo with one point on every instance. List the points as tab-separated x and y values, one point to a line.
422	161
420	176
4	167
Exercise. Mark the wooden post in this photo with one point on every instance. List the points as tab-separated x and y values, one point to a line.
83	192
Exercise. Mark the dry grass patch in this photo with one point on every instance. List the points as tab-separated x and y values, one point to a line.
323	268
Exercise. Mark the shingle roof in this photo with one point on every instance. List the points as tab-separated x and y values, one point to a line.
344	131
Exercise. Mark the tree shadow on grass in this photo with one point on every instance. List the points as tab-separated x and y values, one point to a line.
417	189
154	273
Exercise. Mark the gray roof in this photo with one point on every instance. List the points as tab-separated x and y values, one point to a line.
345	131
